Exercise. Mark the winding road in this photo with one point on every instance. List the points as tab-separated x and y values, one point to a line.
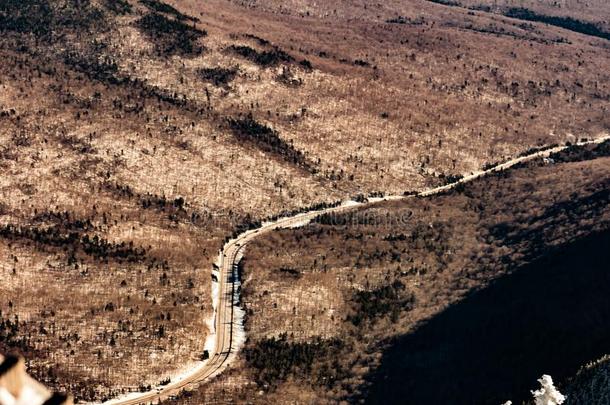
227	324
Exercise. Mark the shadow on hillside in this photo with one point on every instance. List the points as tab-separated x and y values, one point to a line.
551	316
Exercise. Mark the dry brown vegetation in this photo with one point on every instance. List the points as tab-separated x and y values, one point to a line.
325	301
135	135
389	102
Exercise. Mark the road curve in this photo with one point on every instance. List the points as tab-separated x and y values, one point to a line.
225	323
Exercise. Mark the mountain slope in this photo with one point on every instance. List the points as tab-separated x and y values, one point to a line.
136	135
343	308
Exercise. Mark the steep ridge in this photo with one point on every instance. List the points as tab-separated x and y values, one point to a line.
229	328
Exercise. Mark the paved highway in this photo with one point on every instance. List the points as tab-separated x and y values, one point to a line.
225	321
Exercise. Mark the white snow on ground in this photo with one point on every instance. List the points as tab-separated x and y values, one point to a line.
126	397
299	224
350	203
184	373
239	332
191	368
181	374
547	394
210	340
239	335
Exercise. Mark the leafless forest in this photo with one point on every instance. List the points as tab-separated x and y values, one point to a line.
136	136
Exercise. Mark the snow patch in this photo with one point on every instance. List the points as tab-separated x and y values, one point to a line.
547	394
239	334
126	397
350	203
299	224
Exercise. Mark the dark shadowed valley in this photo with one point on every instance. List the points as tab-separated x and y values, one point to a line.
304	202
